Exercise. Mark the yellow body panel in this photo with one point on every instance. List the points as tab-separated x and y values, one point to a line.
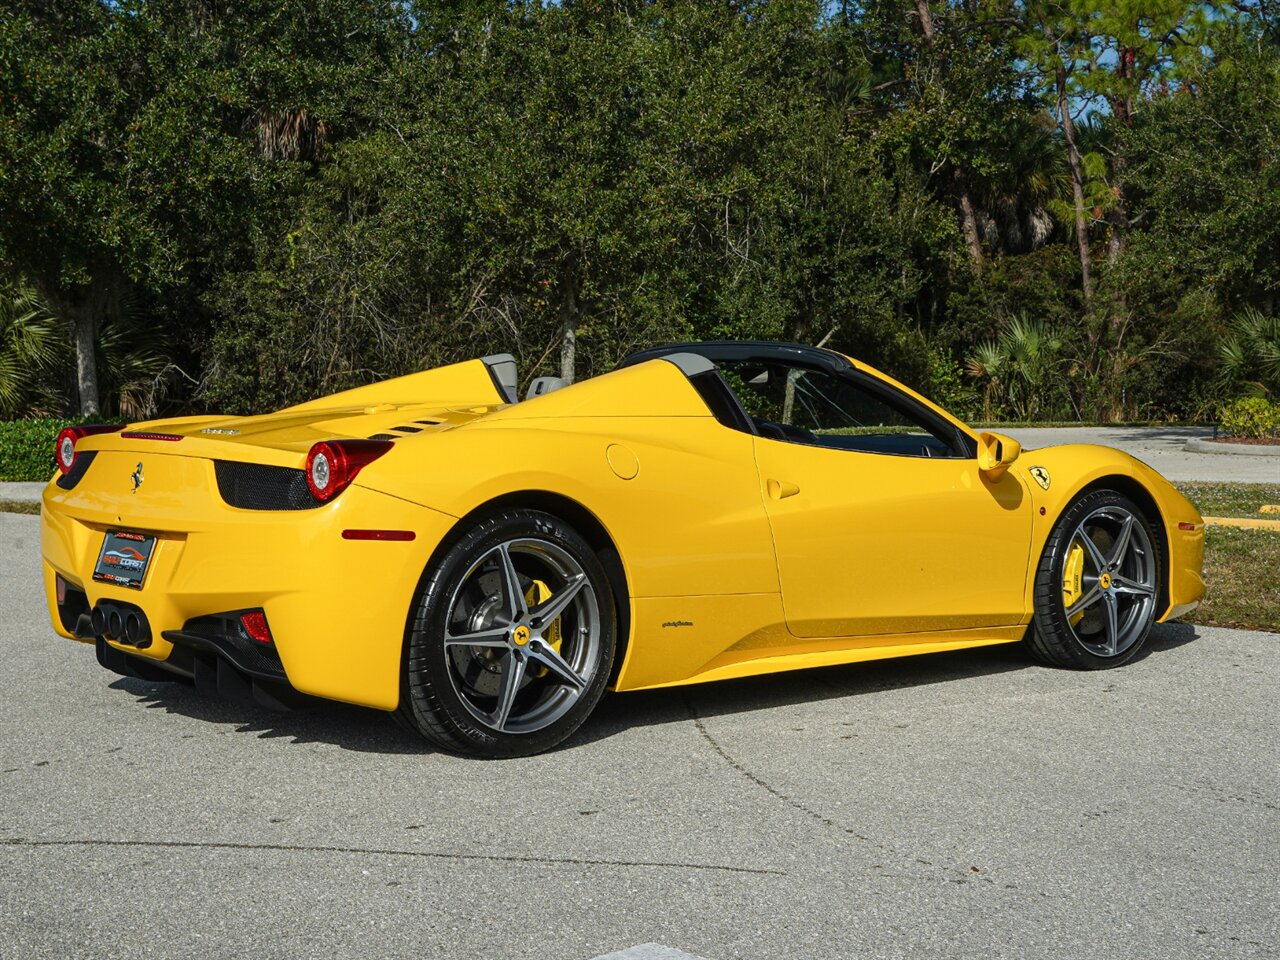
740	555
338	607
887	559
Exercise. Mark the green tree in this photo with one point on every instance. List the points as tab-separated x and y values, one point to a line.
141	142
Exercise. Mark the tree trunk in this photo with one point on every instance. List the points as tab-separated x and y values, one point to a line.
85	326
569	324
926	18
1077	184
968	219
959	184
84	310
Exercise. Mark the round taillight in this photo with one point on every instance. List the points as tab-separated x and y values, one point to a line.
320	472
64	450
333	464
66	453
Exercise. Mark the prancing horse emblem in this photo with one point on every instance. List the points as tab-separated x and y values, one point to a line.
1041	476
137	478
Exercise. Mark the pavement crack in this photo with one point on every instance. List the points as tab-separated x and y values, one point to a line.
769	788
364	851
953	875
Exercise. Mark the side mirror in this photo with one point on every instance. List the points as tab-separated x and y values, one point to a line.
996	452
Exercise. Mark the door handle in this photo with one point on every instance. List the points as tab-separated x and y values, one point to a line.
781	489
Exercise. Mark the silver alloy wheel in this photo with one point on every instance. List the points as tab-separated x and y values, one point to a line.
501	648
1118	585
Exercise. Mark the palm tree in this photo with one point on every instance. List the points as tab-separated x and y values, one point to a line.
1016	199
1251	354
1019	367
32	346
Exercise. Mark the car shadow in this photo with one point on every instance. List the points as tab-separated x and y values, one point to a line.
373	731
770	691
321	721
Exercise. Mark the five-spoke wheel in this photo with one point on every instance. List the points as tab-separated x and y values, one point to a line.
1097	584
513	639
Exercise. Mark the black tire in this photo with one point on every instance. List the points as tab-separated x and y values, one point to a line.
507	684
1090	638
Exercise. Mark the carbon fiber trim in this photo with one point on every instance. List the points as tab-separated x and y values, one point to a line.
255	486
223	635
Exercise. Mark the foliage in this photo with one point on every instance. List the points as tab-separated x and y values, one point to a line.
26	448
1251	354
1251	417
1020	371
948	388
31	350
244	205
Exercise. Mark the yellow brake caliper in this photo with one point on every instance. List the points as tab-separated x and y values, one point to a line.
539	593
1072	580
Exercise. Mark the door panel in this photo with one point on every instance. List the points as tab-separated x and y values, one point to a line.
871	544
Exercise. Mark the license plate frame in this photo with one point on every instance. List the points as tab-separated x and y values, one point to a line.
125	558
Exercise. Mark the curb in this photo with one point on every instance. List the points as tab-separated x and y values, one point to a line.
1248	523
21	492
1244	449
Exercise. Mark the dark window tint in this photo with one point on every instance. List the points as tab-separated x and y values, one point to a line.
803	405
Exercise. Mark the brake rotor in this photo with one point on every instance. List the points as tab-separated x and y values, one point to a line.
1090	620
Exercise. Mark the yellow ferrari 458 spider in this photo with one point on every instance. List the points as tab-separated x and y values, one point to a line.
486	568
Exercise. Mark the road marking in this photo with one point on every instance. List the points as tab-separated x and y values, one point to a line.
1249	523
649	951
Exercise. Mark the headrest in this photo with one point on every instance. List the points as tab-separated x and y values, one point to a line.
543	385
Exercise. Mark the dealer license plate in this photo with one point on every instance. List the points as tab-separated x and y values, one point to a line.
124	558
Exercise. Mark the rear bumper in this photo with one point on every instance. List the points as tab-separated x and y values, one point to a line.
337	608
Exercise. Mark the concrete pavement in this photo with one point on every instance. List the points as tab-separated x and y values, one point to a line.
958	805
20	492
1163	448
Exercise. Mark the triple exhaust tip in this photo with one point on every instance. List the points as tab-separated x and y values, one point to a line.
121	626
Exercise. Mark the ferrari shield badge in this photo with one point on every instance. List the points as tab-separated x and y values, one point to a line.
1041	476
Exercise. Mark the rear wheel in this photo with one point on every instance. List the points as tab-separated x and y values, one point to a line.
1097	584
512	639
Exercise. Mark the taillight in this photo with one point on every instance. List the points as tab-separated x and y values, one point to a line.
65	450
333	464
255	625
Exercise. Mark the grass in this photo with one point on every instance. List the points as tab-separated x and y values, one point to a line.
1231	499
18	506
1242	569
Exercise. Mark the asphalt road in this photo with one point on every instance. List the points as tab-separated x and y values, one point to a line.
961	805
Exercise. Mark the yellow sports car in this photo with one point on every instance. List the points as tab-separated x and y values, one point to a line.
486	568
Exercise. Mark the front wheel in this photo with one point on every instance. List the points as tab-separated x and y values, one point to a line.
512	640
1097	584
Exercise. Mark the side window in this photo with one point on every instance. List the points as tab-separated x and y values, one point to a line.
804	405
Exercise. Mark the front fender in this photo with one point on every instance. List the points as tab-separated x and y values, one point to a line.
1072	469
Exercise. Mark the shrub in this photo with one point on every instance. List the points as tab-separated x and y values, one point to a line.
26	448
1251	417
